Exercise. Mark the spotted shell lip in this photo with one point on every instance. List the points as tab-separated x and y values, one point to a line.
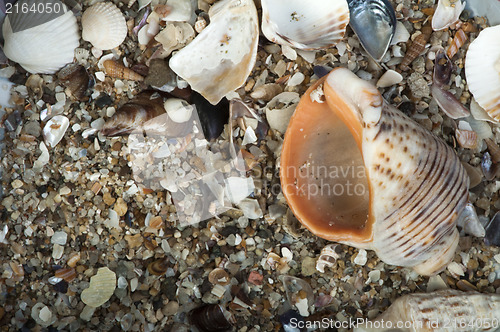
407	186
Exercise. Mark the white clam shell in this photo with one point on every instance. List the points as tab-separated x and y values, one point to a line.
307	25
441	311
178	110
33	47
482	70
104	26
447	13
220	58
55	129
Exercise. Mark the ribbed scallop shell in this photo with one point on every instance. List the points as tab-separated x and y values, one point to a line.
482	70
221	57
355	170
307	25
104	26
446	310
40	48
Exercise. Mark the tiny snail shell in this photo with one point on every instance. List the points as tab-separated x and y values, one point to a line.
457	42
395	188
117	70
327	258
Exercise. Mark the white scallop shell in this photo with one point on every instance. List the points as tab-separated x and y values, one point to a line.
221	57
441	311
104	26
447	13
482	70
44	48
307	25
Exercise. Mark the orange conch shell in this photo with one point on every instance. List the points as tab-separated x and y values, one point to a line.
355	170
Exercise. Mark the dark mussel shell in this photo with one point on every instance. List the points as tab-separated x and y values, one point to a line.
442	68
76	78
212	318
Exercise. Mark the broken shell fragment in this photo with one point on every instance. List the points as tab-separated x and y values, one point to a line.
102	286
387	192
327	258
178	110
311	25
104	26
219	276
482	70
389	78
54	130
447	13
431	311
76	79
40	42
225	51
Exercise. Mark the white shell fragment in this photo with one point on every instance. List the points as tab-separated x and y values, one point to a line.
55	129
389	78
182	11
482	70
447	13
220	58
31	39
102	286
432	312
307	25
178	110
104	26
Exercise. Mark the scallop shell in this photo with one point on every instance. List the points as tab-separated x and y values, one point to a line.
104	26
225	51
447	13
482	70
310	25
395	188
31	40
441	311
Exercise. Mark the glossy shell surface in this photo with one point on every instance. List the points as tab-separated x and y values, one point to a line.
30	39
447	12
395	188
104	26
482	70
225	51
315	24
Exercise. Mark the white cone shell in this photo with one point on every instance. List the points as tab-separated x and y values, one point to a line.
44	48
443	311
307	25
104	26
482	70
221	57
447	13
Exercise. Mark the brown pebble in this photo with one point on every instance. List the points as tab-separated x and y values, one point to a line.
108	199
464	285
120	207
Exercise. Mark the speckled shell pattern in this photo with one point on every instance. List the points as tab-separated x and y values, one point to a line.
445	310
419	188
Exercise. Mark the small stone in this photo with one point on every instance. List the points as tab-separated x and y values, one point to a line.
45	314
64	191
57	251
373	276
102	287
361	257
308	266
59	238
17	184
120	207
108	199
171	308
87	313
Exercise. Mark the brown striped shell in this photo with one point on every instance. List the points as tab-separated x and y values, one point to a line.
117	70
445	311
355	170
415	48
458	40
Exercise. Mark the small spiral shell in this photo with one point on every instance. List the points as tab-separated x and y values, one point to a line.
327	258
417	47
117	70
459	39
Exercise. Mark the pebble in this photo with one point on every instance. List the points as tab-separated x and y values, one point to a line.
17	184
308	266
59	237
120	207
361	257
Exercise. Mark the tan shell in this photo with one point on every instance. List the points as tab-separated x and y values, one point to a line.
104	26
307	25
355	170
442	311
102	286
482	70
225	51
117	70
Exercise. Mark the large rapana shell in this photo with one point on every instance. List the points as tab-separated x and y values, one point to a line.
37	46
221	57
104	26
307	25
355	170
482	70
447	13
445	311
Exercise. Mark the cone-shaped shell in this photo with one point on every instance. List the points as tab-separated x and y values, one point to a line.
104	26
221	57
482	70
446	311
307	25
357	171
41	43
